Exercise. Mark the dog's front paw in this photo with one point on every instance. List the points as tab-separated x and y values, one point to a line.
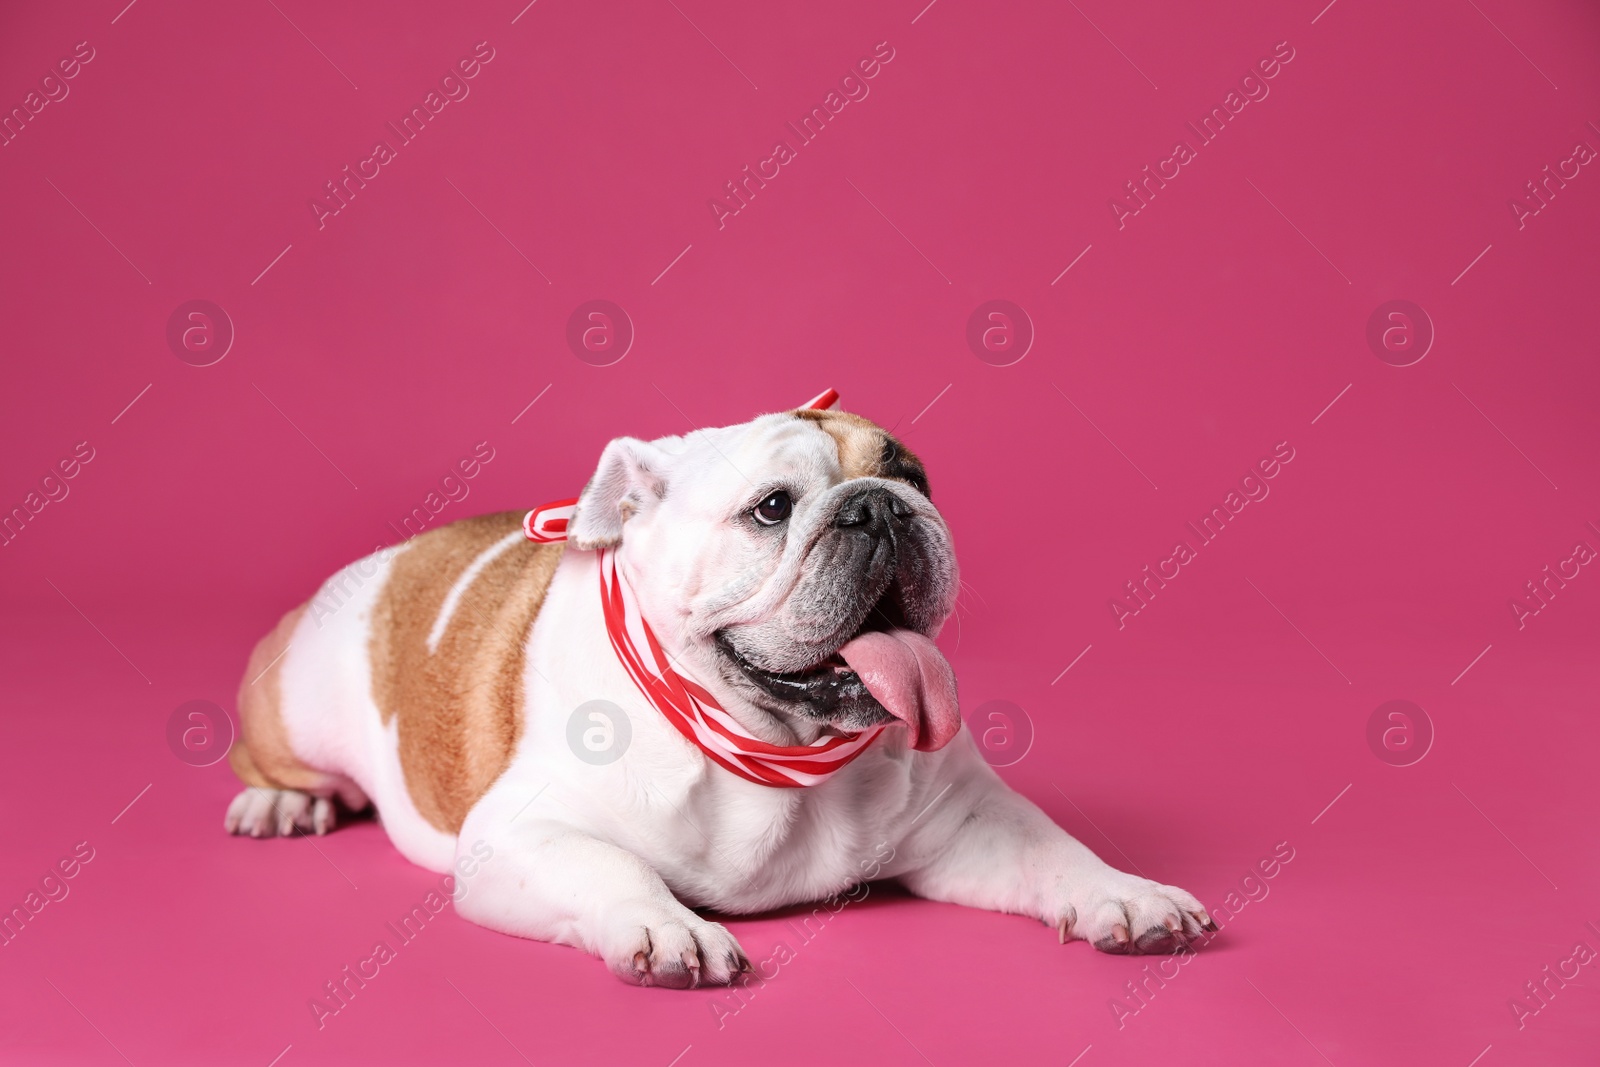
1128	915
677	951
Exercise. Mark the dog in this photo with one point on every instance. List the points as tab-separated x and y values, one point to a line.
709	682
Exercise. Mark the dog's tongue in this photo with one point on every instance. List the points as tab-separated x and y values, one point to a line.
908	675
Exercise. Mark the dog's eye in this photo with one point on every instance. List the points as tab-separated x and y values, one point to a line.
774	509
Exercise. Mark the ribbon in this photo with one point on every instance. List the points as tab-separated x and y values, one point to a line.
547	523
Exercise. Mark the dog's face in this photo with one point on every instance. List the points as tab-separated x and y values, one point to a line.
794	564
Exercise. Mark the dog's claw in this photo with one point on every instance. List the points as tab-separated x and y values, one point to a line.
1118	943
1128	915
676	952
1157	939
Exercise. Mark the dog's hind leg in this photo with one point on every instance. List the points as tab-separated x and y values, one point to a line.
283	794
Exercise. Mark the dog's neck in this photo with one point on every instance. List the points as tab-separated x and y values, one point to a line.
691	665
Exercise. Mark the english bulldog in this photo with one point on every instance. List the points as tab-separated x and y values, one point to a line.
709	682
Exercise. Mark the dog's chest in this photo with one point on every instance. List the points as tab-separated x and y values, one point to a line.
740	847
716	839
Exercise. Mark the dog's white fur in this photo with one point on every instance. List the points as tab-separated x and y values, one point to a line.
613	858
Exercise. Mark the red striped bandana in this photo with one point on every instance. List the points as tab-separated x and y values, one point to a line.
695	713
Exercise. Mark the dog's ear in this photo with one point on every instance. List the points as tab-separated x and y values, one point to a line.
631	477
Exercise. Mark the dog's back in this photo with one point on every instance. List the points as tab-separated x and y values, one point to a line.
400	680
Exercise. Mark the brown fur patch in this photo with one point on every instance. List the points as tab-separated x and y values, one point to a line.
460	707
867	450
262	756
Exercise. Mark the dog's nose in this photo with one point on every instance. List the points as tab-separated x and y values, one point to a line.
872	511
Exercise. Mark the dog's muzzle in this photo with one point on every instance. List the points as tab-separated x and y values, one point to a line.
857	626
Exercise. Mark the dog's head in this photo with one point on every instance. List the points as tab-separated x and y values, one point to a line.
795	564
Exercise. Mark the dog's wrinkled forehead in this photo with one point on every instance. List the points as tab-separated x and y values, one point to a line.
867	450
806	447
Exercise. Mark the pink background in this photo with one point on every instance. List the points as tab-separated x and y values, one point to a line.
1222	319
